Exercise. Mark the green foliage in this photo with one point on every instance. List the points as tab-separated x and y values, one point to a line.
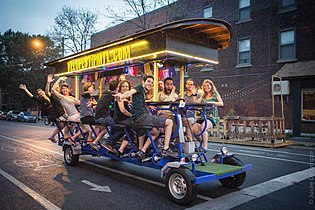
22	62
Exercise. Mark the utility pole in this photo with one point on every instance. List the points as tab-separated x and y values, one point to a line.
63	46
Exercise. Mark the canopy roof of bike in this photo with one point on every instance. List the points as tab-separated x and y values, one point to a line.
180	43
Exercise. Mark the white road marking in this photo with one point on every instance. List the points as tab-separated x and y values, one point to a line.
138	178
258	156
8	149
272	158
99	166
245	195
260	149
150	181
97	187
37	197
37	165
31	144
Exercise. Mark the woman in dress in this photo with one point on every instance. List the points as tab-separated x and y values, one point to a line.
210	95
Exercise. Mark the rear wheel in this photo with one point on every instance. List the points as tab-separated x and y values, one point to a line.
46	122
236	180
180	185
69	157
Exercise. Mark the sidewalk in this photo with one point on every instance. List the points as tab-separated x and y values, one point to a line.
255	143
303	141
292	141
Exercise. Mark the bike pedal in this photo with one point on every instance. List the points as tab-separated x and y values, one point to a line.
124	156
146	159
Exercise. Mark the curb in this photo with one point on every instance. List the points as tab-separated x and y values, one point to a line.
277	143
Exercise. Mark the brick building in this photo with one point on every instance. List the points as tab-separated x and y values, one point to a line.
267	35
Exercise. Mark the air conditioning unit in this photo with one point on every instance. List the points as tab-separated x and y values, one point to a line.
285	86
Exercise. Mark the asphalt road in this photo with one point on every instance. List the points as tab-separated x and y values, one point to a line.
33	176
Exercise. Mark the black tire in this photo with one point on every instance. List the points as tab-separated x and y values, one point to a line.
180	185
69	157
46	122
236	180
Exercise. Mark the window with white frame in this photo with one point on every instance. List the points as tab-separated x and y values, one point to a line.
244	10
308	104
286	4
244	51
287	45
207	12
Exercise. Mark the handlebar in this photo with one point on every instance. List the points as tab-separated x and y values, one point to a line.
176	104
176	108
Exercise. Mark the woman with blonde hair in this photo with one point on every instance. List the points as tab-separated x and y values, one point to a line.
210	95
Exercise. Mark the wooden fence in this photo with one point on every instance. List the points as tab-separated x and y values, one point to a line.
250	128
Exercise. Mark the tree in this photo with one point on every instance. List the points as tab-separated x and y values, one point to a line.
22	62
73	29
136	12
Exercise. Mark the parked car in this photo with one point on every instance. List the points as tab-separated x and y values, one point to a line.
3	115
12	115
26	117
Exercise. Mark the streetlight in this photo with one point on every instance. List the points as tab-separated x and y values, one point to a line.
37	48
36	43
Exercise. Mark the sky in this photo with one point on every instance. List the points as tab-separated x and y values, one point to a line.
37	16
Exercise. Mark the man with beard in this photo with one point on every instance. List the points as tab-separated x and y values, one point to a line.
169	95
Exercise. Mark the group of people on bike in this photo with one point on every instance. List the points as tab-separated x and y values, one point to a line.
124	105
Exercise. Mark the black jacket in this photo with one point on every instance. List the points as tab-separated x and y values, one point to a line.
104	105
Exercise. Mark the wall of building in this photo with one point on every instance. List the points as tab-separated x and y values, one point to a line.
245	89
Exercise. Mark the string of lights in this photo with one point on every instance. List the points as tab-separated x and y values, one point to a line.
245	90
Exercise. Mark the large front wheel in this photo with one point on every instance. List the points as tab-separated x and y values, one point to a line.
69	157
236	180
180	185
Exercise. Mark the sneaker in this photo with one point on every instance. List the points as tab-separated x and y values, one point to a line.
95	146
52	139
140	154
202	149
119	154
169	153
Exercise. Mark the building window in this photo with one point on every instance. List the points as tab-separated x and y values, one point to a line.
244	10
287	4
207	12
287	45
244	52
308	104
